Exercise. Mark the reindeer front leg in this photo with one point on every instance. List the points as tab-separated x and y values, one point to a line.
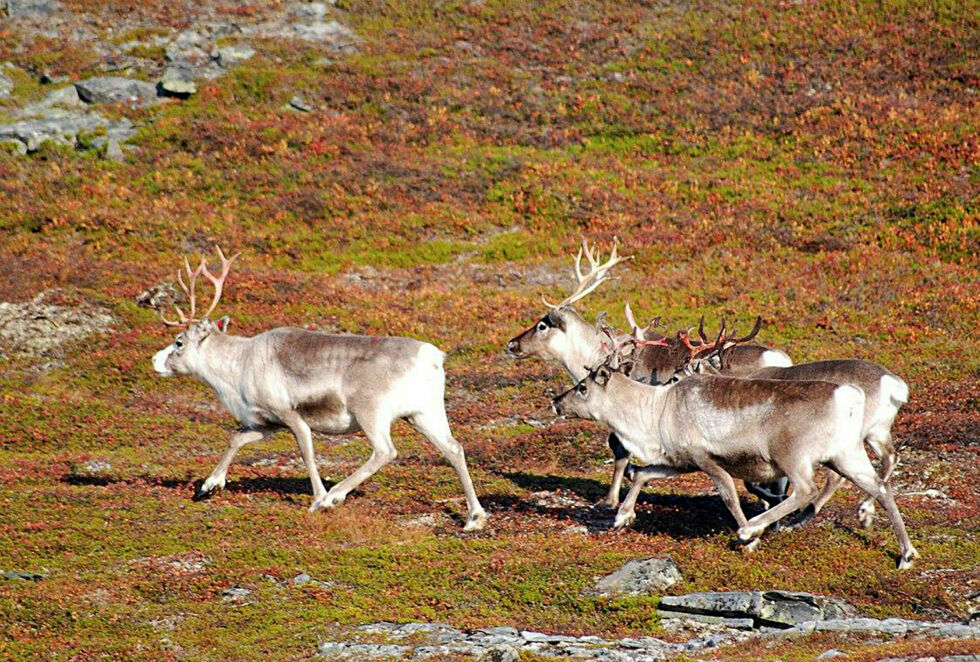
626	513
622	460
304	437
216	480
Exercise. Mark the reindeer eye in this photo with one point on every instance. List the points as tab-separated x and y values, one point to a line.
542	326
179	342
581	389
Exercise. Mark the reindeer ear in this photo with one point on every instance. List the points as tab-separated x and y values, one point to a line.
602	376
222	324
557	319
626	367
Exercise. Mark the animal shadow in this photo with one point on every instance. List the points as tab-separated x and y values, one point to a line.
676	515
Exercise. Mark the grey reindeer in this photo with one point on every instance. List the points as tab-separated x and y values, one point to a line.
307	381
562	336
727	427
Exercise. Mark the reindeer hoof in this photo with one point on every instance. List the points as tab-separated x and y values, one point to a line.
748	535
866	514
751	545
476	521
623	520
908	559
205	491
327	501
606	502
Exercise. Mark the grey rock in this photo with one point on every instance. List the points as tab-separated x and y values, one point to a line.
116	89
504	630
338	35
300	104
501	653
726	621
12	144
6	86
178	81
32	8
97	466
315	10
114	151
301	579
344	650
229	56
63	98
64	127
190	48
542	638
235	593
638	578
37	330
778	608
830	654
22	576
958	631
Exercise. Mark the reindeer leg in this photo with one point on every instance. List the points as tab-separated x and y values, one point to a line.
216	480
857	468
726	489
804	493
304	437
435	426
383	452
622	459
769	493
626	513
882	444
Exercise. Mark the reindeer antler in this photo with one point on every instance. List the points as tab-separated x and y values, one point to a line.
591	280
189	287
724	343
638	333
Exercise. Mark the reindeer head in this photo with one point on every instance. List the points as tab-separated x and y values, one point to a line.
180	357
589	397
551	336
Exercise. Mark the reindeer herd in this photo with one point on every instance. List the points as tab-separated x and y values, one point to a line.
675	403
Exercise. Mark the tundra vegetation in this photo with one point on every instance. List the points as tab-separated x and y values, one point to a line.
813	163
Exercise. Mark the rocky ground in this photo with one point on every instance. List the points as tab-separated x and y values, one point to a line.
207	45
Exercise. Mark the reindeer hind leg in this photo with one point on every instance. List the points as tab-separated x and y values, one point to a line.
857	468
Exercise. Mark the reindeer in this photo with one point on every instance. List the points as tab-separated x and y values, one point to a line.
885	393
306	381
563	336
753	429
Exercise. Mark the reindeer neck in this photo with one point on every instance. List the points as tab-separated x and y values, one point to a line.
220	360
634	401
585	346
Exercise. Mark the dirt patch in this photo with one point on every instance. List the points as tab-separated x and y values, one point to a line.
40	331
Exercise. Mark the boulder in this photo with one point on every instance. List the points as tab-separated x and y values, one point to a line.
116	89
178	81
650	576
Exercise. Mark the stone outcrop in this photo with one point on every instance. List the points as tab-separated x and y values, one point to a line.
754	609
